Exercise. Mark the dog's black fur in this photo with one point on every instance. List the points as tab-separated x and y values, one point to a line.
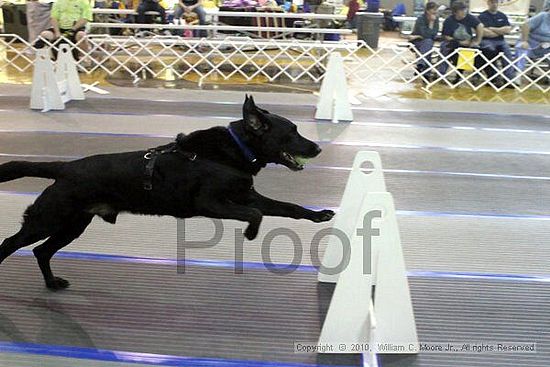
218	183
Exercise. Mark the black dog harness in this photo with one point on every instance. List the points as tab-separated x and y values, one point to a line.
151	158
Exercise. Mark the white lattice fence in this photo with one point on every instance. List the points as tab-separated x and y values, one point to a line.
278	60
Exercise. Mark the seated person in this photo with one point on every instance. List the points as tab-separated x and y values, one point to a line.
38	18
535	38
195	6
69	18
423	35
351	18
150	5
458	30
496	26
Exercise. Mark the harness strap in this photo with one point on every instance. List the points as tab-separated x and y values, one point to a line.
151	158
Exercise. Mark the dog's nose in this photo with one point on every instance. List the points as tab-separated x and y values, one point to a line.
318	150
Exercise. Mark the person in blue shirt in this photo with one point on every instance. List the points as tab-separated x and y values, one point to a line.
458	31
423	36
535	37
496	26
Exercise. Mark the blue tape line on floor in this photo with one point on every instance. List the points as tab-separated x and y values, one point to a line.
229	264
137	358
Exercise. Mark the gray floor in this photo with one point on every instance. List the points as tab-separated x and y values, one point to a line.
458	311
154	309
471	190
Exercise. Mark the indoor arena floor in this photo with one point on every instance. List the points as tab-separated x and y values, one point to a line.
471	184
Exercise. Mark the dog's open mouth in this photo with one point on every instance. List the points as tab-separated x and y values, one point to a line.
295	163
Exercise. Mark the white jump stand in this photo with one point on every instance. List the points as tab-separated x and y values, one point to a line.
333	101
367	214
55	85
359	182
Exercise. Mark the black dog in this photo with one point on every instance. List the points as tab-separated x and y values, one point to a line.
208	173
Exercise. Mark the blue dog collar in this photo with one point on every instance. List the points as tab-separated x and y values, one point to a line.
246	151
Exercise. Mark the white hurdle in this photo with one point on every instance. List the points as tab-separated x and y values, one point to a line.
367	216
334	103
358	183
55	85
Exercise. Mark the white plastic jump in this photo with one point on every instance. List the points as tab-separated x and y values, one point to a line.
333	101
362	179
367	216
53	85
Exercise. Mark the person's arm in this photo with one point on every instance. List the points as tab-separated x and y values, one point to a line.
489	33
505	29
501	31
479	35
193	7
55	26
80	23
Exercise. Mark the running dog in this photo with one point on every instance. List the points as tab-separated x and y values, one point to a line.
206	173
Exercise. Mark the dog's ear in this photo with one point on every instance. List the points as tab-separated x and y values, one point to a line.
180	138
254	118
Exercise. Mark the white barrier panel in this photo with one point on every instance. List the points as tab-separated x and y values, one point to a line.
333	99
351	318
52	87
359	182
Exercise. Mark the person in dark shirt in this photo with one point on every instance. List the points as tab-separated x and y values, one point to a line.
458	31
150	5
195	6
423	36
496	26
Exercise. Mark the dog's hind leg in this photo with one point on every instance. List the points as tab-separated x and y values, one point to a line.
45	251
25	237
48	215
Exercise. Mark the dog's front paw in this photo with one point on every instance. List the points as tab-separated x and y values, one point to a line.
322	216
251	232
57	284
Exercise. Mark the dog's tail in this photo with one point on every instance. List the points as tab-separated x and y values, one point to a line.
18	169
